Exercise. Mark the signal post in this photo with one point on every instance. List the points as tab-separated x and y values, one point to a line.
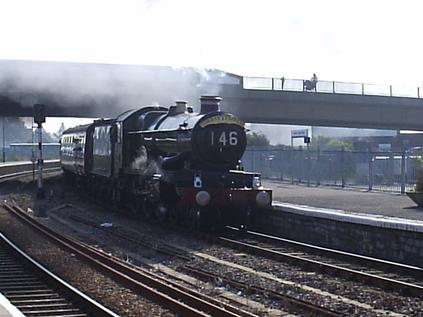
40	118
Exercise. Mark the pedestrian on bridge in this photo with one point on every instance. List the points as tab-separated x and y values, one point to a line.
310	84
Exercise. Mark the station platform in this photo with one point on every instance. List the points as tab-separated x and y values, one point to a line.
379	209
15	163
7	309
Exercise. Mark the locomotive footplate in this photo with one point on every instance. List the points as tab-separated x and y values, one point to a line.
232	179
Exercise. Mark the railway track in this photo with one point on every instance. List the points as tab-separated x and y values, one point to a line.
371	271
140	281
383	274
14	170
211	276
268	246
37	292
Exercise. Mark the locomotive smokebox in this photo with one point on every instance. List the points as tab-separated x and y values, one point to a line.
210	104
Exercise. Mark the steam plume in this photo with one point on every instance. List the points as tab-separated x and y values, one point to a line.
111	88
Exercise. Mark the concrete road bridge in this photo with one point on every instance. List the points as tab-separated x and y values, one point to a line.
104	90
333	104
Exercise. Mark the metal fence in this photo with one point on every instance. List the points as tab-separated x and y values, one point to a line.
381	171
334	87
28	151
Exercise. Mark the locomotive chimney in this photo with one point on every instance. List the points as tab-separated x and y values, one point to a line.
209	104
178	108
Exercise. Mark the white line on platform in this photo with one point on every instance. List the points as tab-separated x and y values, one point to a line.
352	217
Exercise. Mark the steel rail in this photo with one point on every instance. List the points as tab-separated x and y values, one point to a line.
23	173
303	305
369	278
154	288
163	249
17	169
166	250
358	258
31	302
210	276
192	292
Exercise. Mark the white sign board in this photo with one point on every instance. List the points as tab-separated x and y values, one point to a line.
299	133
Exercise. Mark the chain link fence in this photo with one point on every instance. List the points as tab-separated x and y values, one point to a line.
29	151
366	170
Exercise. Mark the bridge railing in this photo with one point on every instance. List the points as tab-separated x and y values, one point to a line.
333	87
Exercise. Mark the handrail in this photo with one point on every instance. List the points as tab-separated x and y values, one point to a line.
334	87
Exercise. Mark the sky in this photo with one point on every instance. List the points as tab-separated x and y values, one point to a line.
354	41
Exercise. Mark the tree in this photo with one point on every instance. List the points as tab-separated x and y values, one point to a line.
326	143
257	139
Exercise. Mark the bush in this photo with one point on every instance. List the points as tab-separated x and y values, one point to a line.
419	165
419	183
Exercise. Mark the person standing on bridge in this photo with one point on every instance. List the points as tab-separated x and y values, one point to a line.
311	84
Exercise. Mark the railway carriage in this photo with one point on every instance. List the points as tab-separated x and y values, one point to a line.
168	163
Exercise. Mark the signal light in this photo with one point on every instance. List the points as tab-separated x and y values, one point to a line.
39	113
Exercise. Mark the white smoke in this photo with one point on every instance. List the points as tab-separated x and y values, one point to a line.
113	88
140	161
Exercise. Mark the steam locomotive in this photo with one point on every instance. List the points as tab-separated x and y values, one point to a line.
168	164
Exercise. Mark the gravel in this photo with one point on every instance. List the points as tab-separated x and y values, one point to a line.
103	289
302	281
